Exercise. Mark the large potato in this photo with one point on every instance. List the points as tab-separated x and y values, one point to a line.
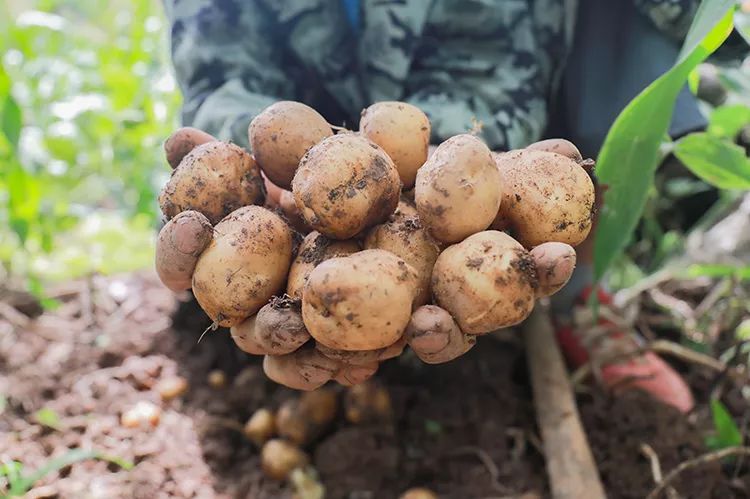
458	189
244	266
403	131
546	197
215	179
359	302
281	135
180	243
486	282
315	248
346	184
406	238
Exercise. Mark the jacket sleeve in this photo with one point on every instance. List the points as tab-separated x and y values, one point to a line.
227	63
671	16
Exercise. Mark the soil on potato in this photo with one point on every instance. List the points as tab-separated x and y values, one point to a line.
464	429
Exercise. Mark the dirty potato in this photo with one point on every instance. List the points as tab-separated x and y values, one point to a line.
359	302
279	328
215	179
345	184
244	266
458	189
315	248
281	134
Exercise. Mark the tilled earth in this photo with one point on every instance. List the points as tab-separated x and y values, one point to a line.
465	429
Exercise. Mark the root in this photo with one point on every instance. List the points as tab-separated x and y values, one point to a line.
213	327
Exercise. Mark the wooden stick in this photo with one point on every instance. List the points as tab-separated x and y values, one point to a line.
570	465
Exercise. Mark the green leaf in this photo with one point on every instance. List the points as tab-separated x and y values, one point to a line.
630	153
727	433
727	121
719	162
10	121
742	22
742	333
47	417
717	270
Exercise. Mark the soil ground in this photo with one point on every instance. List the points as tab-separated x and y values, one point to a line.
464	429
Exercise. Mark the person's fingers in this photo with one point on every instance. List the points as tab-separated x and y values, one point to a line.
273	191
555	263
180	243
305	369
244	335
435	337
182	141
558	146
350	375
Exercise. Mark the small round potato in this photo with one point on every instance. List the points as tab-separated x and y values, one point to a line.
435	337
458	189
546	197
278	458
403	131
345	184
302	419
215	179
279	328
315	248
406	238
485	282
558	146
359	302
180	243
244	266
555	263
182	141
281	135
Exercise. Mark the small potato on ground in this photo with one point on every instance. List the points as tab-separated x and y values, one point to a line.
244	266
260	427
215	179
304	369
458	190
367	402
278	458
346	184
181	241
435	337
303	419
281	134
315	249
359	302
182	141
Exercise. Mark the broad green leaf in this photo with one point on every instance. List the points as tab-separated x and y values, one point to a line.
719	162
10	121
727	121
630	153
727	433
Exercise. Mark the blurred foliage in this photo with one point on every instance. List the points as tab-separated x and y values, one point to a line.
87	97
726	433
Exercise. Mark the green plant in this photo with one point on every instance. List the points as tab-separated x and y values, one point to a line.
726	434
19	484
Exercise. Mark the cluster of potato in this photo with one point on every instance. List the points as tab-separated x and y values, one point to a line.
399	244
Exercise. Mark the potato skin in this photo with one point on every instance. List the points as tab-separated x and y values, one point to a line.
303	369
279	328
244	266
406	238
485	282
281	134
435	337
244	337
359	302
458	190
315	248
215	179
180	243
546	197
182	141
403	131
558	146
345	184
555	263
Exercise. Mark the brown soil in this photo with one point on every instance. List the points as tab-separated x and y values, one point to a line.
464	429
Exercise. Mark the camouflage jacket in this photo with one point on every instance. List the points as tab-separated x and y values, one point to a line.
495	62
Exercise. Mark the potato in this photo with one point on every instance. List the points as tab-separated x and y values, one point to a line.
359	302
215	179
555	263
558	146
279	328
244	337
346	184
435	337
291	213
180	243
485	282
403	131
458	190
315	248
406	238
546	197
281	135
350	374
301	420
303	369
260	427
278	458
182	141
418	493
244	266
363	357
367	402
